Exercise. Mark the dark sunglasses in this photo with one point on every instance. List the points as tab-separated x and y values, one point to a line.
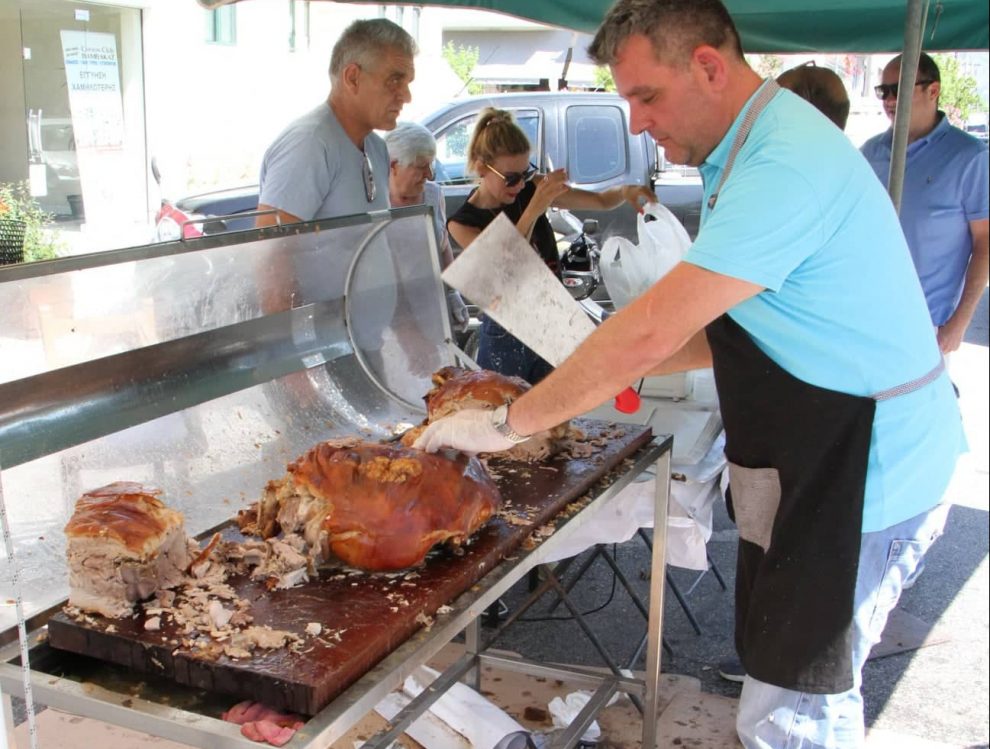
890	89
512	179
369	180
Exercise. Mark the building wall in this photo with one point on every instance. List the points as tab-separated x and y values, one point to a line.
214	109
13	164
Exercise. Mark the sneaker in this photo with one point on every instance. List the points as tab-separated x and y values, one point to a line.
732	670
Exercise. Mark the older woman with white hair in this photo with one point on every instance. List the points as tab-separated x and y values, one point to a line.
411	151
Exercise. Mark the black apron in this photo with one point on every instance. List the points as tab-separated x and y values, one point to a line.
798	457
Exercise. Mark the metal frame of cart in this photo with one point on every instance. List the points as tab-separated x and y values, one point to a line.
195	338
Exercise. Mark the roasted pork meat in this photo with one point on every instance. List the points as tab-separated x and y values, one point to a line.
375	507
124	545
455	389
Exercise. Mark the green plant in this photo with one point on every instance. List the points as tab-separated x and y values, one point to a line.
462	61
17	206
960	95
603	79
768	66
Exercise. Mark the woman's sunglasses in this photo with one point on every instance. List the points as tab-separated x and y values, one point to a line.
512	179
890	89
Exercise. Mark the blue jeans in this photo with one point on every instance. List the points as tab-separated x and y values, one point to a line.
772	717
501	352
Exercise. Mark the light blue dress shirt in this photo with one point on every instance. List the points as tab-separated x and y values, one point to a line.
946	185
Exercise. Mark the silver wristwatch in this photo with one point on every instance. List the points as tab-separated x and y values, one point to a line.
499	421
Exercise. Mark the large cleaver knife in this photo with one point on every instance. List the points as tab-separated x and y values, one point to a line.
504	276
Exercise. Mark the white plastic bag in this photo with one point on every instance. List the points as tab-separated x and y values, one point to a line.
628	270
564	711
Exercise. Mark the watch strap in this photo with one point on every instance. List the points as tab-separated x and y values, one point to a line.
500	421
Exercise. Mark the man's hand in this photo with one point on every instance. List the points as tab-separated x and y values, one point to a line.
950	336
549	187
470	430
458	311
638	196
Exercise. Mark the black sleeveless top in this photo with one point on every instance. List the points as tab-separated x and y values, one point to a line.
542	239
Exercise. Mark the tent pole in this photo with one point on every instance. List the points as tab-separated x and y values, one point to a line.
914	30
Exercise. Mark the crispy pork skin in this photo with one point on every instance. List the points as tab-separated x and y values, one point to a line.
124	545
455	389
379	507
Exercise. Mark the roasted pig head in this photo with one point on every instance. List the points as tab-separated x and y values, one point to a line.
378	507
455	389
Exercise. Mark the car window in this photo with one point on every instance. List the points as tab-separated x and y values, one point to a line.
596	143
452	145
670	170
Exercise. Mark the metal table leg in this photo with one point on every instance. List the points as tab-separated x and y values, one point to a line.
472	644
675	589
655	624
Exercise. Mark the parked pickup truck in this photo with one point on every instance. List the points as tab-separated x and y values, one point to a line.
586	133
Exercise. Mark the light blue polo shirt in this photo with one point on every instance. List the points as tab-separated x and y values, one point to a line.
946	185
803	215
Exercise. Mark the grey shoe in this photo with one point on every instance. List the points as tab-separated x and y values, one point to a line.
732	670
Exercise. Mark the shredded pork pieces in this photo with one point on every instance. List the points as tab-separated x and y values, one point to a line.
209	618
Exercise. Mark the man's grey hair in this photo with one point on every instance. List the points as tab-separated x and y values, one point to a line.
409	142
365	40
675	27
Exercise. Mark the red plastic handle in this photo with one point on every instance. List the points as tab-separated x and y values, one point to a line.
627	401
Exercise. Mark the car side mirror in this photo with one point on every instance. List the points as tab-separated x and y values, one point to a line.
590	226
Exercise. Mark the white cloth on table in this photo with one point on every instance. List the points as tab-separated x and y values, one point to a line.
693	491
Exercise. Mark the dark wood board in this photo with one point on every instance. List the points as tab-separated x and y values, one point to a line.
373	613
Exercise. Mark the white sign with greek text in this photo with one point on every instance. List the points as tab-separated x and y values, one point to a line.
92	75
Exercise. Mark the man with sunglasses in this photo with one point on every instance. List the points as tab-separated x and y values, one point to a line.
330	162
944	205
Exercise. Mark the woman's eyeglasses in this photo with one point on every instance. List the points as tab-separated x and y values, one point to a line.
890	89
423	167
369	179
512	179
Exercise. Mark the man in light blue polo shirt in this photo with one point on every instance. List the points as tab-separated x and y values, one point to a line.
945	204
842	429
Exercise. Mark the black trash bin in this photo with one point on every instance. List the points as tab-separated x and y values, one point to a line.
11	241
76	206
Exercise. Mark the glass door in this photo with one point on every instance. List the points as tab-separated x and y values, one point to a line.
77	138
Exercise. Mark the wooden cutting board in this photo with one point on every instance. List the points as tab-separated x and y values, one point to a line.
364	615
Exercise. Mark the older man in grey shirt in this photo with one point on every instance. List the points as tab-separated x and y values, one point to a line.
329	162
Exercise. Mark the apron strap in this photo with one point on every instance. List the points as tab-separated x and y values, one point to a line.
767	92
910	387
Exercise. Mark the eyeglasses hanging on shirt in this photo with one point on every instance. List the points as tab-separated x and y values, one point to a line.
369	179
890	89
512	179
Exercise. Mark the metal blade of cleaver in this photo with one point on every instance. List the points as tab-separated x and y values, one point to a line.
502	274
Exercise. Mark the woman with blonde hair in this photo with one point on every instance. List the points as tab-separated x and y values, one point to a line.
508	183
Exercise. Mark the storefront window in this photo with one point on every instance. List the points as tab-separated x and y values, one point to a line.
73	120
221	25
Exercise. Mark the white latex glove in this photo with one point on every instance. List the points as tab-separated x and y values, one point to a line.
470	430
459	314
